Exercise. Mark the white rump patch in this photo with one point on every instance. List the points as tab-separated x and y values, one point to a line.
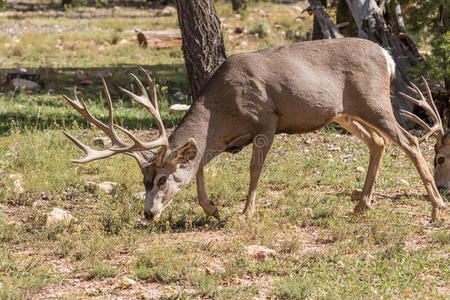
390	63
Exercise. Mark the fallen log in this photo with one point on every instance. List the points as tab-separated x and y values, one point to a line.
159	38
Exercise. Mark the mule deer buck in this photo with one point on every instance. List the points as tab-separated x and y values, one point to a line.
253	96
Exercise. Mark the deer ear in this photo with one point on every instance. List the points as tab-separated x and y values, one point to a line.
185	153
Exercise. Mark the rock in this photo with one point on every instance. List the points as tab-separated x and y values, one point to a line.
57	216
261	253
244	44
404	181
240	30
179	96
179	108
125	283
140	195
81	75
360	169
85	82
100	141
308	212
122	42
106	186
168	11
20	83
17	185
105	74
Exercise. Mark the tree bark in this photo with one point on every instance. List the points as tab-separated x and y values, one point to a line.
344	16
203	45
372	26
238	4
317	31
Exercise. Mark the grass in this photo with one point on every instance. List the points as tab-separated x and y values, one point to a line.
304	211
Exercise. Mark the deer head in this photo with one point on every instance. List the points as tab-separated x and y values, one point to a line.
164	171
442	163
442	146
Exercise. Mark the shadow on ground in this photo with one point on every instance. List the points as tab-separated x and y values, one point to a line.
45	108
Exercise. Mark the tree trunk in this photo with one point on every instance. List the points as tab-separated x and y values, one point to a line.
372	26
65	2
317	33
238	4
322	22
345	21
203	45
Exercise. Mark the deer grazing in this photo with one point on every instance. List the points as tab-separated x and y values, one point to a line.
253	96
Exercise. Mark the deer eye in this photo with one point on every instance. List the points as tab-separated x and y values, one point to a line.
441	160
161	181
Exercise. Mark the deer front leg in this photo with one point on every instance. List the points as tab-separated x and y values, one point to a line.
261	145
208	206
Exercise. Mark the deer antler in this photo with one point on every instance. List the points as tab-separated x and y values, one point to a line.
119	146
152	107
428	105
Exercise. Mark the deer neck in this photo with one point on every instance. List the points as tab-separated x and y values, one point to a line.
196	124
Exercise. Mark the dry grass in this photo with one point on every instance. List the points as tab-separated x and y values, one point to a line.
304	207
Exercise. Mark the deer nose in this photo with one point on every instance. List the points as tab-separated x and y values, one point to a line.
148	215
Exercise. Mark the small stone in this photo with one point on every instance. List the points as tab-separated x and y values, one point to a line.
17	185
122	42
179	96
85	82
179	108
308	212
405	182
360	169
20	83
106	186
100	141
261	253
81	75
105	74
240	30
168	11
58	215
140	196
125	283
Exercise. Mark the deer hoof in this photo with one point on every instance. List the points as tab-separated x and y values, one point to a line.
216	214
361	207
437	214
357	195
248	211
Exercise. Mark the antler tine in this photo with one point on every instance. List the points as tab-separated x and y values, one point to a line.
145	101
415	118
428	105
138	145
152	85
118	145
108	99
430	101
91	154
110	132
423	102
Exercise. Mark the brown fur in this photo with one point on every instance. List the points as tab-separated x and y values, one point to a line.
293	89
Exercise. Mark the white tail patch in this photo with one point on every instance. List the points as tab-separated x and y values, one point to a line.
390	63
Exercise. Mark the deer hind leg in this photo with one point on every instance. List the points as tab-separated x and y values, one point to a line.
261	145
208	206
376	144
389	127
